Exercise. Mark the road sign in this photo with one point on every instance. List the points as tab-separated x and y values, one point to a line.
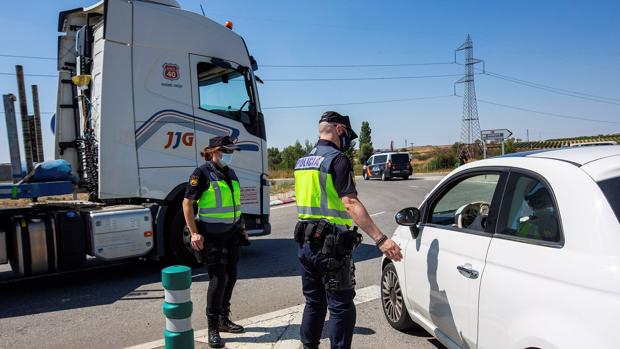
498	135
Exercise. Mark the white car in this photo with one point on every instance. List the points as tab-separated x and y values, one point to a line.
519	251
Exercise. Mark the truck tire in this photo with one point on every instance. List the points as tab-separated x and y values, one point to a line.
178	250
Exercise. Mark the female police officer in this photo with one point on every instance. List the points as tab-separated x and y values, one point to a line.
216	230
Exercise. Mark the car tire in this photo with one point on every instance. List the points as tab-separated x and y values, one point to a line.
365	175
384	177
178	250
406	178
392	300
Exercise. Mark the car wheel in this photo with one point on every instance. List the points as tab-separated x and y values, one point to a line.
392	300
384	177
365	175
406	178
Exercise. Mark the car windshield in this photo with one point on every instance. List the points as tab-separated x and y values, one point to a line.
400	158
611	189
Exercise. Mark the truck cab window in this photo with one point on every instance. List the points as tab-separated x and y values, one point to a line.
224	92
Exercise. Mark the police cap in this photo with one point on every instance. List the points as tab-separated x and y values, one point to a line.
223	142
335	118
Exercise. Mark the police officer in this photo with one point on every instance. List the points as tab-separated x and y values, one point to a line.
217	230
327	206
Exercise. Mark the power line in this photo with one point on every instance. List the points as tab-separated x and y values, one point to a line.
555	90
363	78
308	79
571	117
37	75
356	103
27	57
351	65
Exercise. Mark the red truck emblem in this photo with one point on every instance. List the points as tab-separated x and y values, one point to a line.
171	71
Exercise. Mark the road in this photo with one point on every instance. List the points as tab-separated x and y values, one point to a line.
120	306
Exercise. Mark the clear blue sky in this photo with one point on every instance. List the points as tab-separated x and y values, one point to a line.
572	45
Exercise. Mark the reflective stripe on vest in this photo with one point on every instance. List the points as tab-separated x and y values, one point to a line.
315	193
219	204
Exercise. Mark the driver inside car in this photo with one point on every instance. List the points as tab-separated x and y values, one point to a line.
541	224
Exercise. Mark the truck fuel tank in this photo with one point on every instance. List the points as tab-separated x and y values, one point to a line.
118	232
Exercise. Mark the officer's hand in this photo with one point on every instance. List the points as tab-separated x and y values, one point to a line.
197	242
391	250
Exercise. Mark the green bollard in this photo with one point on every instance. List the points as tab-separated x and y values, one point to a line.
177	308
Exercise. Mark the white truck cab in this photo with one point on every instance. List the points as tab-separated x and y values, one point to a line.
143	85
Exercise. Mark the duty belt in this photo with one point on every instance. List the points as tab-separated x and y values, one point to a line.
332	240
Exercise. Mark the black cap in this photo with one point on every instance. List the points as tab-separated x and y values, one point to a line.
335	118
223	142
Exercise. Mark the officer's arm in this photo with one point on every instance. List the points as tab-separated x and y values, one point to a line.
360	216
188	213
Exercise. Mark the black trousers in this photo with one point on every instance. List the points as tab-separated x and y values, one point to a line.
220	255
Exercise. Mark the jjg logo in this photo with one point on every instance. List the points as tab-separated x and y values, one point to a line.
176	138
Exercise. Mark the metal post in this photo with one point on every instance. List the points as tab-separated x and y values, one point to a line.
37	137
177	282
23	110
11	130
484	149
502	146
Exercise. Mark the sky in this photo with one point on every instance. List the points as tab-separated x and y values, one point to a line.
570	45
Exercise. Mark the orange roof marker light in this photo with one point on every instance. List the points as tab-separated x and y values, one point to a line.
228	24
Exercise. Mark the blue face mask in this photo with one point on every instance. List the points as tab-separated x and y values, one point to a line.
227	159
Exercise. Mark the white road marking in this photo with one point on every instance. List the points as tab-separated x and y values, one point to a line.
275	330
282	206
376	214
414	186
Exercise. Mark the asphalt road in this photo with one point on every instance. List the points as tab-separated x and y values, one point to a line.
120	306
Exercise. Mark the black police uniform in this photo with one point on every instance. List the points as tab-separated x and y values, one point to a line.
221	249
314	267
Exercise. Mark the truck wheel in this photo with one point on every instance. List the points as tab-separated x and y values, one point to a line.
178	248
392	300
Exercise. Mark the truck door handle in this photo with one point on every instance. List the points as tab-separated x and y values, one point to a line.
467	271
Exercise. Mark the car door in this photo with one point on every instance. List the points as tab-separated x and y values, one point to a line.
445	263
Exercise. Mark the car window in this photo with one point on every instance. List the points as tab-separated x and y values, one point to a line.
380	159
372	158
529	210
611	189
400	158
466	205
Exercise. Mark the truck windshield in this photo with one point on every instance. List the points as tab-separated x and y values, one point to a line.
224	91
611	189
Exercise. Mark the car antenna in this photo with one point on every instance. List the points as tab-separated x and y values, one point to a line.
203	10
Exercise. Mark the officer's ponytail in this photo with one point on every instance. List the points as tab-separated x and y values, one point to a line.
207	152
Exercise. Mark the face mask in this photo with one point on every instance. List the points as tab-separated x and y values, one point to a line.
345	142
227	159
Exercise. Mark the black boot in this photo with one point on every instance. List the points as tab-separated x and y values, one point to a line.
215	341
228	326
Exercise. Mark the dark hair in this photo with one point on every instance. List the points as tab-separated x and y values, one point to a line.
207	152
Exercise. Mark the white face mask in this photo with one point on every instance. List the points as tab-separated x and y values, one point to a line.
227	159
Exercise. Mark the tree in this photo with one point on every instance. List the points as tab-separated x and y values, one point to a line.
365	141
308	146
274	157
291	154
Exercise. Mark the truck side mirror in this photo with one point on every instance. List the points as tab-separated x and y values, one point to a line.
409	217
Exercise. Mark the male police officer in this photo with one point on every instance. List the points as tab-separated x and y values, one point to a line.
327	206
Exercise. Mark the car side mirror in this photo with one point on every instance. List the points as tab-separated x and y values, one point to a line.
409	217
